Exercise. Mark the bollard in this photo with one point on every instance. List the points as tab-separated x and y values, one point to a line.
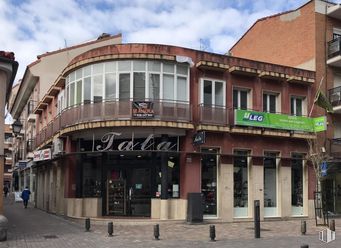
257	219
304	246
156	231
303	227
87	224
110	229
332	225
212	232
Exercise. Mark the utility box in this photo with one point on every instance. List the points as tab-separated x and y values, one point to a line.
195	209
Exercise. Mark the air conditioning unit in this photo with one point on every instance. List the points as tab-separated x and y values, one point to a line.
57	147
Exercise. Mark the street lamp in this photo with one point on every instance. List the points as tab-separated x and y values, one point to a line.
16	126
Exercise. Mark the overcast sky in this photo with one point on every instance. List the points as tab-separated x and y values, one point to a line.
33	27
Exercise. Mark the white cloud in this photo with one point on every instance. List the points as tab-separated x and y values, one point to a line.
34	27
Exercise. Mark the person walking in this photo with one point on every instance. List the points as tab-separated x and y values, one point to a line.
25	195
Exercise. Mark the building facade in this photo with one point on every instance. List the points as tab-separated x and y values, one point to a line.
309	38
132	129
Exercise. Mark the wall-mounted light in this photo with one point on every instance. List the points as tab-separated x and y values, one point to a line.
16	127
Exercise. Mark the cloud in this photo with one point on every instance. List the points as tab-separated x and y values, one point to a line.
33	27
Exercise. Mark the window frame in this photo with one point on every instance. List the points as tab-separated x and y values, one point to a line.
213	101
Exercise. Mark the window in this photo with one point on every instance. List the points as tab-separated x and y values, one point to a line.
212	92
128	79
297	106
240	99
297	184
269	103
270	184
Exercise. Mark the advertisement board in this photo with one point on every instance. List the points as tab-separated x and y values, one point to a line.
143	109
279	121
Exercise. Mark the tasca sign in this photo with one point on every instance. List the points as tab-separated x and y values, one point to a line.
279	121
42	155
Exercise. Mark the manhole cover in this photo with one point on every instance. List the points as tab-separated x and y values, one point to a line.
50	237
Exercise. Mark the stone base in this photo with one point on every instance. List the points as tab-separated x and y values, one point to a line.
3	228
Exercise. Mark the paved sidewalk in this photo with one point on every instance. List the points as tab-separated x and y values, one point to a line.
35	228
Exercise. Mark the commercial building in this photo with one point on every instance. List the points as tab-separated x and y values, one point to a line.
308	38
132	129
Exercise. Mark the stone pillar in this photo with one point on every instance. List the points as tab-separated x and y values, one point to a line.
164	183
225	180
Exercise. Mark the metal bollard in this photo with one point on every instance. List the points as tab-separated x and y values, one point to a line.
332	225
156	231
303	227
110	229
87	224
212	232
257	218
304	246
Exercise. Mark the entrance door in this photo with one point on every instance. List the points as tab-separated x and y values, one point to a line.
116	197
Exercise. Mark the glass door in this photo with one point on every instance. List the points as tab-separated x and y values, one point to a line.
116	198
270	184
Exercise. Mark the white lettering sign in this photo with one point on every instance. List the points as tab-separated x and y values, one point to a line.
42	155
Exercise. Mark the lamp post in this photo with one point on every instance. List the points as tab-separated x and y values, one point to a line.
8	70
16	127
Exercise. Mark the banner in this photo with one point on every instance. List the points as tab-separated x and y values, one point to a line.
279	121
142	109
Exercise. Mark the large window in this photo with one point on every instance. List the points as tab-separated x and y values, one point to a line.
212	92
270	102
297	106
131	79
240	99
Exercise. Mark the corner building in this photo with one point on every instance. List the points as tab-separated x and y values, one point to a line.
134	128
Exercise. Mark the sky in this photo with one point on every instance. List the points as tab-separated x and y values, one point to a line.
33	27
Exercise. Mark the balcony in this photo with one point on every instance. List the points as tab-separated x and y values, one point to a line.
213	115
179	112
335	147
334	11
334	52
335	98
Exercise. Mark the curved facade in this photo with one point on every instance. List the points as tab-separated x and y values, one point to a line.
135	128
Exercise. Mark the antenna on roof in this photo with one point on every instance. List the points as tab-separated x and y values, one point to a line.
203	45
65	43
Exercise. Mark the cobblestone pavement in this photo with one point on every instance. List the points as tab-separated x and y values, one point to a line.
35	228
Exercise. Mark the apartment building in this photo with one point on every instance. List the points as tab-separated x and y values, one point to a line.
308	38
132	129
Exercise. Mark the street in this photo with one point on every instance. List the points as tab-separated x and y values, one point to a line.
32	227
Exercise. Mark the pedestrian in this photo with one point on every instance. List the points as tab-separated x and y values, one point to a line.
25	195
5	190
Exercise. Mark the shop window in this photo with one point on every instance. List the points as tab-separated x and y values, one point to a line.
209	180
270	102
91	178
240	99
173	178
297	184
270	184
212	92
240	183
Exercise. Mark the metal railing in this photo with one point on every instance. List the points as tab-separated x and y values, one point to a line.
112	110
334	47
335	147
335	96
213	115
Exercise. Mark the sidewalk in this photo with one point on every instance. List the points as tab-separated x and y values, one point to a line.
35	228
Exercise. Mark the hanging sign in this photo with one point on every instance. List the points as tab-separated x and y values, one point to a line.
143	109
42	155
199	138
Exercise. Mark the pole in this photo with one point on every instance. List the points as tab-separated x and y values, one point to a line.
257	219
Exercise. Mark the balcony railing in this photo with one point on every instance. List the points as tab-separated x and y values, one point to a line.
213	115
335	96
335	147
112	110
334	47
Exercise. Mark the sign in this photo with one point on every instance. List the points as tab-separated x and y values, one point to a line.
142	109
22	164
146	144
279	121
324	168
199	138
42	155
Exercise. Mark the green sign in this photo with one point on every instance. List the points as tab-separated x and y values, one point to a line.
279	121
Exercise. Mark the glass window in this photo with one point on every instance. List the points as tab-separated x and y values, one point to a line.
87	71
154	86
124	86
124	65
110	86
139	65
79	92
72	94
296	106
181	69
154	66
72	76
87	90
209	181
269	103
98	68
297	180
219	93
110	67
79	74
270	180
169	68
98	88
168	87
139	85
240	99
240	183
208	92
182	89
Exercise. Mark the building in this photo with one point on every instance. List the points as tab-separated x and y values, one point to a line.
132	129
37	79
8	156
309	38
